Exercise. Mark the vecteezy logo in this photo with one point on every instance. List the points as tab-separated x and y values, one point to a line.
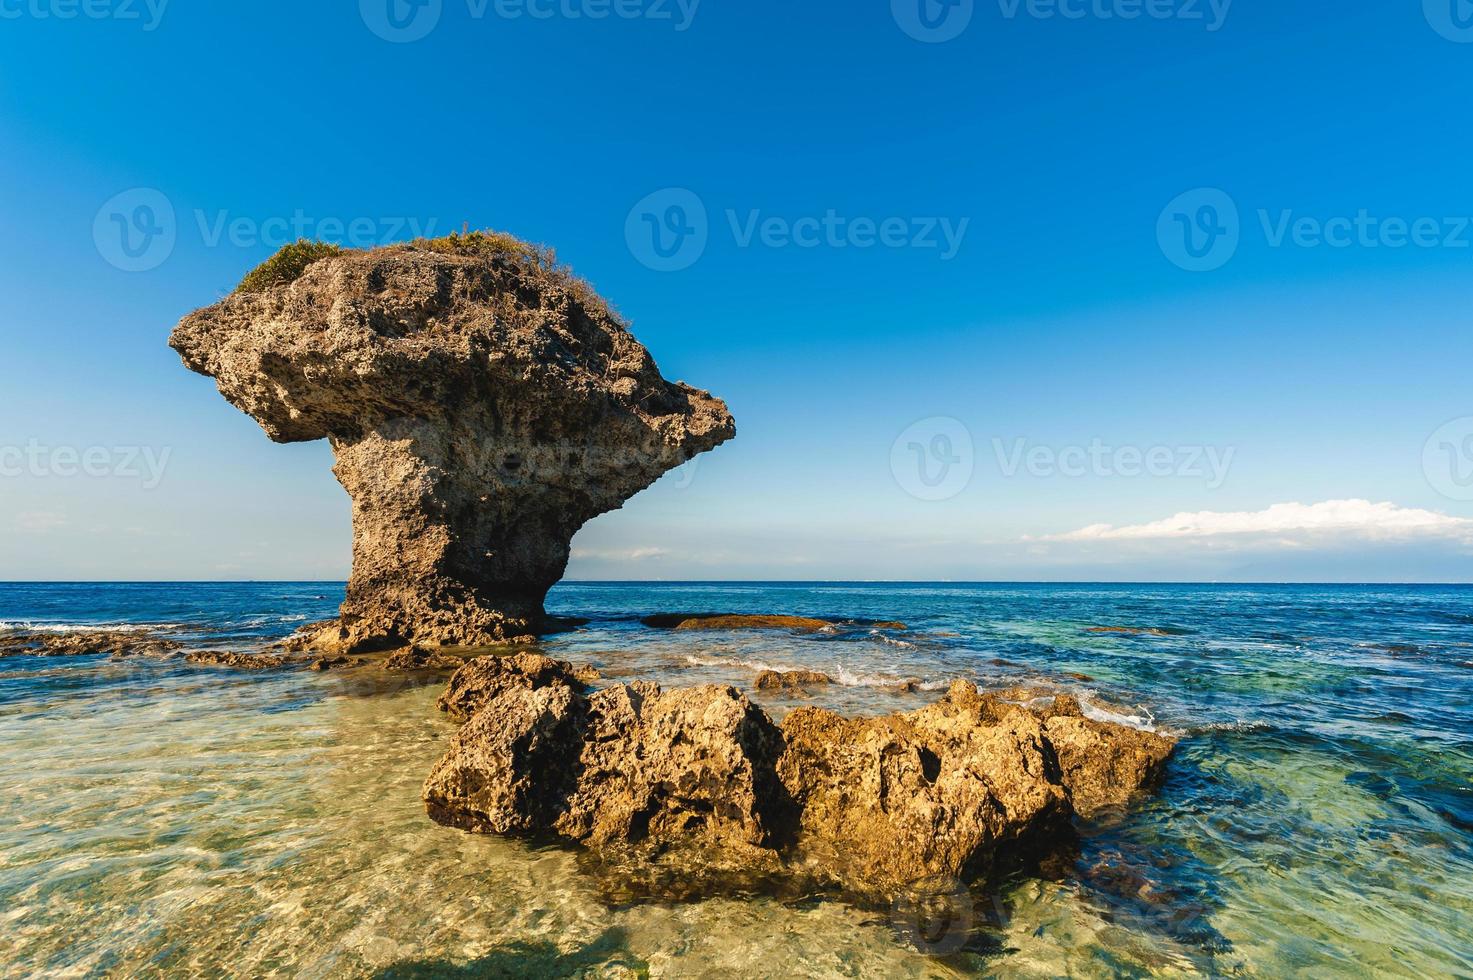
1447	459
1453	19
1200	230
933	459
400	21
135	231
667	230
932	21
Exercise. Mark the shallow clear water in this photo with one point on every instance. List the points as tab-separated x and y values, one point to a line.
160	818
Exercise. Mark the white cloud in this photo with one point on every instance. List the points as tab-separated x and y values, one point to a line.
1290	523
39	521
618	554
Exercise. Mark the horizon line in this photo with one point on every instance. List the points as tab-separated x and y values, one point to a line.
760	581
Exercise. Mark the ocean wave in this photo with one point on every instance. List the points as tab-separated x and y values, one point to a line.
757	665
1228	726
1095	711
840	675
850	679
892	641
7	626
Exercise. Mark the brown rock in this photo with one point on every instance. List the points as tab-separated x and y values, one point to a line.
893	801
801	623
335	663
889	624
482	405
420	658
629	765
1102	765
118	643
485	679
325	636
878	805
790	680
240	661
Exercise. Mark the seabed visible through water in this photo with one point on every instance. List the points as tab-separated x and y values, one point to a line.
162	818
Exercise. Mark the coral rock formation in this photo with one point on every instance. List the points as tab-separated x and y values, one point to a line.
118	643
485	679
482	405
240	661
878	805
729	621
790	680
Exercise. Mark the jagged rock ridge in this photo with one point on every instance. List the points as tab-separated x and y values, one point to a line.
701	778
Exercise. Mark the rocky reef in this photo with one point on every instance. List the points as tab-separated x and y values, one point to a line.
482	405
117	643
701	778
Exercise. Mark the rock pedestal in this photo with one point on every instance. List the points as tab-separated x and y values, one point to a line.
482	405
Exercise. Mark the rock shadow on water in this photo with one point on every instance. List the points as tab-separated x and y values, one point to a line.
528	959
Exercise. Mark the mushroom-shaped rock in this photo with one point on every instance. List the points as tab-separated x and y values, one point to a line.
482	405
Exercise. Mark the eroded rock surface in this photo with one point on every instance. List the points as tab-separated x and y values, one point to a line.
486	679
482	405
877	805
240	661
690	769
118	643
790	680
421	658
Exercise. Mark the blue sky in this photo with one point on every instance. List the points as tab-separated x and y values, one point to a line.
897	238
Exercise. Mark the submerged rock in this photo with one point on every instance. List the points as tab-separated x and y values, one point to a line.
703	776
324	664
482	405
240	661
727	621
761	621
419	658
1130	630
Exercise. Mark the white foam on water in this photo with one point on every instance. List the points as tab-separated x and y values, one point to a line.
892	640
1145	721
758	665
1230	726
63	628
841	675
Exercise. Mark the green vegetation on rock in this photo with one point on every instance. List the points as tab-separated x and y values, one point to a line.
539	261
286	266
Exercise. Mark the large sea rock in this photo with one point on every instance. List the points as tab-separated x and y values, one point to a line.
702	776
482	405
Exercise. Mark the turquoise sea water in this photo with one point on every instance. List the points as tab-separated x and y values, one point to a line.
158	818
